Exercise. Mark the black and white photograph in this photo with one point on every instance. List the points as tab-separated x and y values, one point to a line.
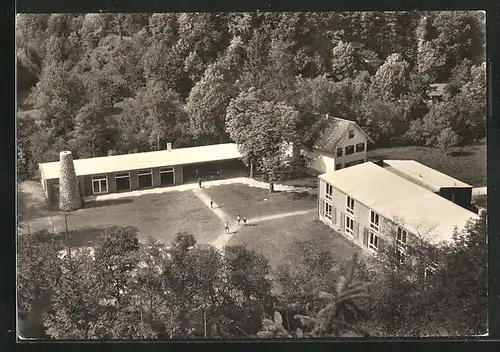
251	175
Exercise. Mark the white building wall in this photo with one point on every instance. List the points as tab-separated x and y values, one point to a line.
361	218
320	161
359	137
324	162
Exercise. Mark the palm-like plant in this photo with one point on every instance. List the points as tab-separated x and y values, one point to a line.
330	320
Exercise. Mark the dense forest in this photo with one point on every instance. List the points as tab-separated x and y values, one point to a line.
102	84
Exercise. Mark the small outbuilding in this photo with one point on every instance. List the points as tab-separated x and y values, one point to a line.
123	173
441	184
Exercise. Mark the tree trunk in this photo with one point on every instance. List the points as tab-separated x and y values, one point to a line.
251	169
205	321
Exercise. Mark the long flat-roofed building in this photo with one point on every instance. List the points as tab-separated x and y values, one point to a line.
367	204
121	173
446	186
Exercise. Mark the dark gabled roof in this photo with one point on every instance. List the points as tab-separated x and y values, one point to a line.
332	131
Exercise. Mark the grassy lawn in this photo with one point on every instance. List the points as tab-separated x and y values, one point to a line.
254	202
467	165
158	215
271	238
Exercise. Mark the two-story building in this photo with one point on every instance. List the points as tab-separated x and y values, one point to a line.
370	205
342	143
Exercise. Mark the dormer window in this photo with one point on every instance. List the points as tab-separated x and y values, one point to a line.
351	134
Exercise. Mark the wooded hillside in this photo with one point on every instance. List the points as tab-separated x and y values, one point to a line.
117	83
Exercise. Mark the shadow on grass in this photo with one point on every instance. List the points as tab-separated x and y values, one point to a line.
461	153
88	237
301	196
105	203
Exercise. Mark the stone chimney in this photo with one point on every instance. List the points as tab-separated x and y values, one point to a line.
69	193
169	147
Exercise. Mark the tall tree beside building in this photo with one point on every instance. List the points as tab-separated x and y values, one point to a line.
263	129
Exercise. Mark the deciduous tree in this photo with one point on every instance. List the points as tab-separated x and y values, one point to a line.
263	130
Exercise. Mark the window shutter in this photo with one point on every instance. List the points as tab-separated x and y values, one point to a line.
365	236
321	207
334	215
356	231
381	244
342	222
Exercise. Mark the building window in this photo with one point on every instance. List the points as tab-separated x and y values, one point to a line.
349	207
145	179
328	210
373	241
400	256
361	161
339	151
352	163
349	150
167	176
430	270
351	134
122	180
401	245
338	166
99	184
328	191
349	225
374	221
360	147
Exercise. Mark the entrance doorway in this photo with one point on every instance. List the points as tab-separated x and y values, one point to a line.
122	181
145	179
167	177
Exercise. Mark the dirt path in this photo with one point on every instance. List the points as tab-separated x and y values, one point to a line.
223	239
207	184
282	215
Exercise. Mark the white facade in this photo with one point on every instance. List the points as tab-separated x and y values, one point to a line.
351	150
367	204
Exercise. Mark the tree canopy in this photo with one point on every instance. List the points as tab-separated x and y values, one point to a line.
134	82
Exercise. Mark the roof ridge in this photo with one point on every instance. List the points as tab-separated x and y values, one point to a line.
430	170
340	118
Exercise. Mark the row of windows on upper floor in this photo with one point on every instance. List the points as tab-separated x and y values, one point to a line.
374	228
350	149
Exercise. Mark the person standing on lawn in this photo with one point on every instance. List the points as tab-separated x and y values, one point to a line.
211	203
239	219
199	181
244	220
226	227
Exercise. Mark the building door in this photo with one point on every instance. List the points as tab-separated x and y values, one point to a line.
122	181
167	177
99	184
145	179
